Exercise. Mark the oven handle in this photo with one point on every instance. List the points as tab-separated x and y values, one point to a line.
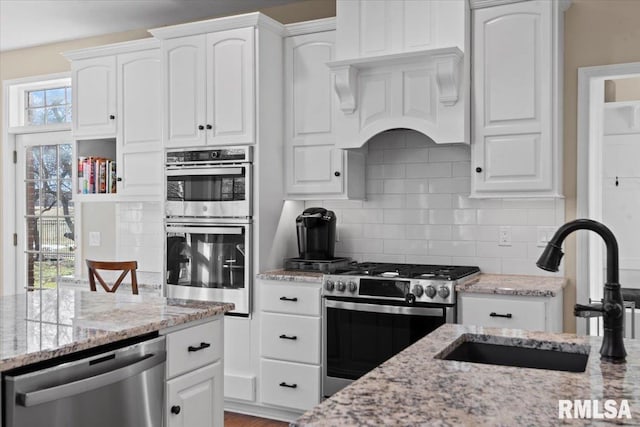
209	171
203	230
387	309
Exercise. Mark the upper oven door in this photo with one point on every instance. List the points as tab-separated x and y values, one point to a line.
214	191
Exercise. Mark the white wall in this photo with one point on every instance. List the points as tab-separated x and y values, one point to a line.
418	211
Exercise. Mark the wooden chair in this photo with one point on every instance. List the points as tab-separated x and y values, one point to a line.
126	266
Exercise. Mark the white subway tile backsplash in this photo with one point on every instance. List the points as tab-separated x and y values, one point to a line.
428	201
418	210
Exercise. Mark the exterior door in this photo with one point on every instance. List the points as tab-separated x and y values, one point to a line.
44	210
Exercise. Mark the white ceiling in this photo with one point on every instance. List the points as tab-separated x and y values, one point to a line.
25	23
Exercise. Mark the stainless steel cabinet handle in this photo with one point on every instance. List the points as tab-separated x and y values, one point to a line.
494	314
202	346
84	385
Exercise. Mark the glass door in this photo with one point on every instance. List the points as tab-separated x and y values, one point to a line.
45	209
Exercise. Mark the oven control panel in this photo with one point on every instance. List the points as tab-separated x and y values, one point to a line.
408	290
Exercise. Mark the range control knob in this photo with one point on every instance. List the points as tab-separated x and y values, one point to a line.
443	292
430	291
340	286
353	286
329	285
417	290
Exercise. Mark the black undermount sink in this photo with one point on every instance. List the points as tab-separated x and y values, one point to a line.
518	352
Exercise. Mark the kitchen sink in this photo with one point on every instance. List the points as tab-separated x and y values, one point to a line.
518	352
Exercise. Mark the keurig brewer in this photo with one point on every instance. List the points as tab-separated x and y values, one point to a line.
316	234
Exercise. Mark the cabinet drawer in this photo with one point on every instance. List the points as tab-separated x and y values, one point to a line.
503	312
194	347
290	299
295	338
290	384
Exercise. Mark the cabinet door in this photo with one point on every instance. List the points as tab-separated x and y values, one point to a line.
196	399
139	140
94	97
185	86
311	159
513	77
230	87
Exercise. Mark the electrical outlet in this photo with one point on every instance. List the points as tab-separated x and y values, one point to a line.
504	237
544	234
94	238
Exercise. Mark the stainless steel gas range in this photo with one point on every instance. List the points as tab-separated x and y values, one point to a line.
374	310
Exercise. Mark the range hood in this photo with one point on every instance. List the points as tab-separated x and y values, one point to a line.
402	64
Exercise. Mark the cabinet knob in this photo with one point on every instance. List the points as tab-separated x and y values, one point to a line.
478	169
200	127
119	179
175	409
336	173
209	127
112	117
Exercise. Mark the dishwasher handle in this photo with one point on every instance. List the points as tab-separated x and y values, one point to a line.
73	388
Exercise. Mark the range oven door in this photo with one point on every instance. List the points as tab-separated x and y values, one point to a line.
359	336
212	191
209	262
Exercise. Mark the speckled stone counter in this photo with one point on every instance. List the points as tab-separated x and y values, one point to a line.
414	388
506	284
292	276
45	324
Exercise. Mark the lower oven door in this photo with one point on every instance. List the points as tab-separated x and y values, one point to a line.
209	262
359	336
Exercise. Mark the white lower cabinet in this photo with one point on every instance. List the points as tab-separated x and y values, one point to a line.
293	385
511	311
195	399
195	377
290	344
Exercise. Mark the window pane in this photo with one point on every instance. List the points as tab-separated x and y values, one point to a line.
50	198
32	161
68	114
56	115
68	91
35	116
55	96
36	99
49	162
66	163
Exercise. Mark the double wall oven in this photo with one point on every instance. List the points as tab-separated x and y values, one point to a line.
372	311
208	225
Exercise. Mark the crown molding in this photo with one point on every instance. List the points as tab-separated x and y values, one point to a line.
112	49
309	27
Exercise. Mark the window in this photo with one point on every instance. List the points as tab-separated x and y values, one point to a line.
48	106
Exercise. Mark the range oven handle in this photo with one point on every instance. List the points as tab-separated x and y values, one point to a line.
382	308
190	229
208	171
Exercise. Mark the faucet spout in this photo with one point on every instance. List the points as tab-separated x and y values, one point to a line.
612	306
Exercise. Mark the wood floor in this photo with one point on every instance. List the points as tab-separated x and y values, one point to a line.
232	419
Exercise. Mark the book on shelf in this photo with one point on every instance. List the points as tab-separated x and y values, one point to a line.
96	175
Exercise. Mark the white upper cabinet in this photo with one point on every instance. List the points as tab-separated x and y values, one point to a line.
139	139
210	88
517	88
94	97
117	115
314	167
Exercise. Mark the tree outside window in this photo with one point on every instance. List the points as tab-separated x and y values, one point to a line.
48	106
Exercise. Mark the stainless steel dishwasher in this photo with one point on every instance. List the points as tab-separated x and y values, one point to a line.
122	387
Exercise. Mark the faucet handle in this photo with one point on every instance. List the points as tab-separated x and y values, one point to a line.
588	310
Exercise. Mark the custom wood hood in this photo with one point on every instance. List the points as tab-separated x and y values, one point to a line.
393	71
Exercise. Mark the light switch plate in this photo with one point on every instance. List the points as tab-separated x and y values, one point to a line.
94	238
544	234
504	236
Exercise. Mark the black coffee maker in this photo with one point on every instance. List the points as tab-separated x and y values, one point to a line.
316	234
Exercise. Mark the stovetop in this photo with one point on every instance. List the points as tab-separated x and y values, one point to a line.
408	271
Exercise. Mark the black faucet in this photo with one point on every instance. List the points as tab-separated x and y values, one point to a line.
612	305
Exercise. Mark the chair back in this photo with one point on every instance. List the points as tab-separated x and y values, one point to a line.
125	266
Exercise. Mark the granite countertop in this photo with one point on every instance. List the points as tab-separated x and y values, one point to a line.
292	276
41	325
414	388
508	284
